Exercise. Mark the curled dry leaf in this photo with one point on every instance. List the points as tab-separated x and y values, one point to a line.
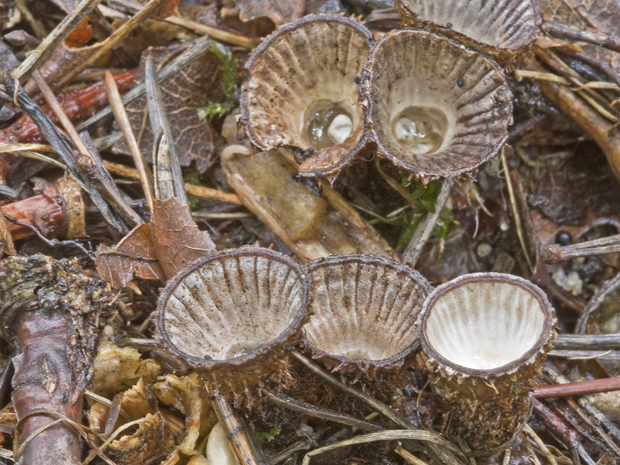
177	239
278	11
133	256
189	396
119	368
141	447
183	94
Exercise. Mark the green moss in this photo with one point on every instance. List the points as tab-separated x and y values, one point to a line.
229	86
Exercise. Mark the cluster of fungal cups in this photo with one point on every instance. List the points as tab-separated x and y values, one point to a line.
431	97
238	315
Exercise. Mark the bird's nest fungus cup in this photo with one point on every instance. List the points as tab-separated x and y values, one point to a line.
363	313
486	336
435	107
496	25
234	315
302	91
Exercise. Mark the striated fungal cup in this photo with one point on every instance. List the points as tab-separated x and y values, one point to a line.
232	315
486	336
364	312
302	91
500	24
435	108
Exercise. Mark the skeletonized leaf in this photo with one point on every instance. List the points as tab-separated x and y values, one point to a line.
177	239
133	256
183	94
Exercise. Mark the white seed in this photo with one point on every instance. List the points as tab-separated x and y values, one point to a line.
218	449
340	129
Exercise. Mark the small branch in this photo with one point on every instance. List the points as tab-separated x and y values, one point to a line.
113	40
200	47
554	253
237	434
90	161
587	342
192	189
578	389
62	148
592	36
36	58
199	28
425	228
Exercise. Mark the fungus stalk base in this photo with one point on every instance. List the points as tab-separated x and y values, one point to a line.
487	412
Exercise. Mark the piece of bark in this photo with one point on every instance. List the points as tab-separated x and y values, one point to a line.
58	211
52	315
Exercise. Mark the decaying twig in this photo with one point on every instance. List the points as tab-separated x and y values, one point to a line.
51	313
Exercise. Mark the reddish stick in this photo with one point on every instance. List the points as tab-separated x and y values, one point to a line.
43	211
578	389
77	104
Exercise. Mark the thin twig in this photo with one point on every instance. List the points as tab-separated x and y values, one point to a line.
388	435
409	457
201	46
91	160
554	375
36	58
236	433
113	40
199	28
543	447
587	342
579	388
515	209
144	171
319	412
62	148
425	228
592	36
554	253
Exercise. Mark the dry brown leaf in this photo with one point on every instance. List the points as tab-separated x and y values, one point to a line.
133	256
278	11
177	239
183	94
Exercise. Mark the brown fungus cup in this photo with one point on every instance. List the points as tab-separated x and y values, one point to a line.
486	336
233	316
435	107
302	92
363	313
496	25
